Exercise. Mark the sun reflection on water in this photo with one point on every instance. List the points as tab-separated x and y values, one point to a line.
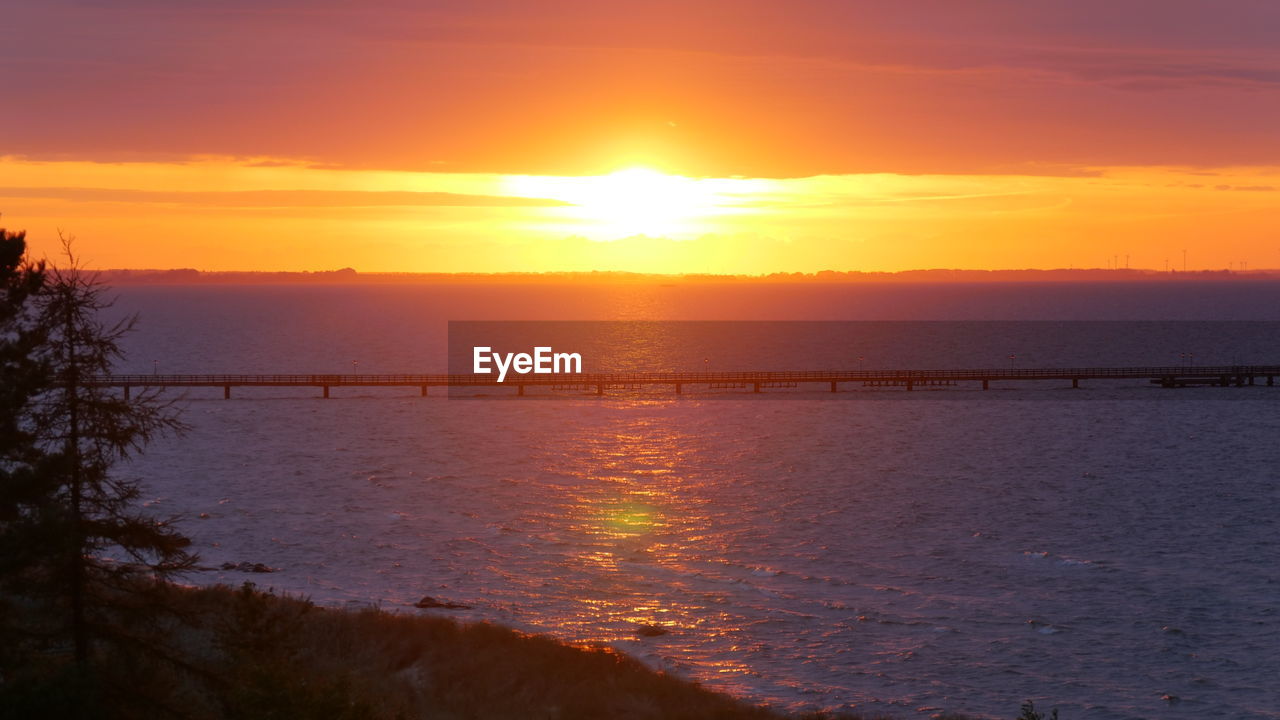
635	550
631	512
628	520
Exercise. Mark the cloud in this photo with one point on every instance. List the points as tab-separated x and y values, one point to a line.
277	198
1146	69
700	87
1247	188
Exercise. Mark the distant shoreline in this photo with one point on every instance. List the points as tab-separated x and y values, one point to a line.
349	276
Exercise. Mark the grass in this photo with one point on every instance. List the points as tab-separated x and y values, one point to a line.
383	665
243	653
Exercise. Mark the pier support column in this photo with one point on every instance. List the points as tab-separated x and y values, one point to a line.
519	390
679	389
424	391
599	388
756	387
1271	380
833	386
986	384
226	392
1250	379
326	392
1075	383
126	393
910	384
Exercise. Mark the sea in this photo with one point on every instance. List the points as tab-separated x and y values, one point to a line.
1111	551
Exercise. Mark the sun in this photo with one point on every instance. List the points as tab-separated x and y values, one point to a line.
633	201
642	201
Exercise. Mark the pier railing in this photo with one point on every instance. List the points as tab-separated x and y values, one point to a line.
1168	376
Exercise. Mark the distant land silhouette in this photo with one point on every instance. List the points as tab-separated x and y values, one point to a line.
188	276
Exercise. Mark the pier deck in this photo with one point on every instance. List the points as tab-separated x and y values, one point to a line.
1169	377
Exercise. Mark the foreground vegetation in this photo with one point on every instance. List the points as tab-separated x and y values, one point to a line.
243	653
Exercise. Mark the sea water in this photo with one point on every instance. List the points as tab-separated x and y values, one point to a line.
1110	550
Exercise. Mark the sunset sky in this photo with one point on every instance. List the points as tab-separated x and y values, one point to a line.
709	136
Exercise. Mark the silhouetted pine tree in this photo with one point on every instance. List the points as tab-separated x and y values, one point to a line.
20	338
81	562
22	376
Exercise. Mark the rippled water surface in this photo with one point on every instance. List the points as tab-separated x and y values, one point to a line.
1109	550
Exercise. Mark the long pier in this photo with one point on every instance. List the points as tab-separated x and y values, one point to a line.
1169	377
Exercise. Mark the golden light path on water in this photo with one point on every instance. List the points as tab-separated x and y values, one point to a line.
633	512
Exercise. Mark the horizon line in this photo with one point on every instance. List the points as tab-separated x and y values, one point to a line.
347	275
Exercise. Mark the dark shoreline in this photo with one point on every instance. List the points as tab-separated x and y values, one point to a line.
248	653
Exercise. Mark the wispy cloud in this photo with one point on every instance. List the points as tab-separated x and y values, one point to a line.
277	198
1247	188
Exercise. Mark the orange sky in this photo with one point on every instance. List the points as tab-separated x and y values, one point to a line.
736	137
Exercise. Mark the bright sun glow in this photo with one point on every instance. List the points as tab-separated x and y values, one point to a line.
637	201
